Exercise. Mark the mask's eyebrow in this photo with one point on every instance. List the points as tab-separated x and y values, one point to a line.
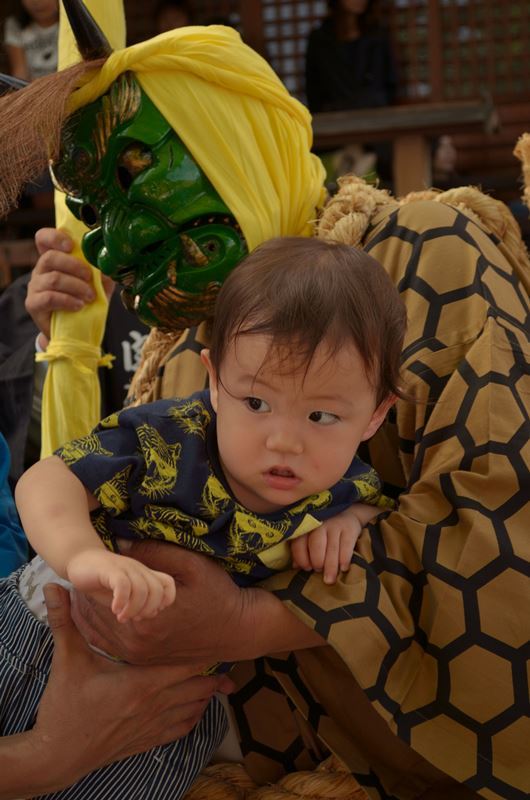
119	106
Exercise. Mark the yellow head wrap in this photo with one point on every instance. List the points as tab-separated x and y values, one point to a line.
251	138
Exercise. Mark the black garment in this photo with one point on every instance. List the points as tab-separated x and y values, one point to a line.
124	335
346	75
17	366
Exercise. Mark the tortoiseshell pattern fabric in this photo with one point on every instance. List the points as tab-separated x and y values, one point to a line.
431	621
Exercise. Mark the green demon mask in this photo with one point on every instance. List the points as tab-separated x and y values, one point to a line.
157	225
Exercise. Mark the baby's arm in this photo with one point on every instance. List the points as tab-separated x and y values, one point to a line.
329	548
55	507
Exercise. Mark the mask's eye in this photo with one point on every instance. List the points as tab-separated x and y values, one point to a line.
136	158
72	171
89	215
211	246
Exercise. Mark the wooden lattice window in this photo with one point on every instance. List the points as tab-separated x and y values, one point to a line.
485	45
445	49
286	26
408	23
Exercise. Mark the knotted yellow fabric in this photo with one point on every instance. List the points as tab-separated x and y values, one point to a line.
84	357
71	395
251	138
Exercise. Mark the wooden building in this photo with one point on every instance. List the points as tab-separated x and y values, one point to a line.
447	51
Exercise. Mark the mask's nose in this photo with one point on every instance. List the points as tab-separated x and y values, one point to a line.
127	236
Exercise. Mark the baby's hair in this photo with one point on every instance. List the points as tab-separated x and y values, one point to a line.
302	292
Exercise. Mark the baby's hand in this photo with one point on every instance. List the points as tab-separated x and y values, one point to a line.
329	548
137	591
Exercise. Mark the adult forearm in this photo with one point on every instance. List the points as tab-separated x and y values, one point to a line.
211	619
27	767
268	626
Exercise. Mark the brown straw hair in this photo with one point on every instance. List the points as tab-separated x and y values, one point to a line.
31	120
303	292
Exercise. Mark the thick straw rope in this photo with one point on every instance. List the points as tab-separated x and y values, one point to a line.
348	214
330	781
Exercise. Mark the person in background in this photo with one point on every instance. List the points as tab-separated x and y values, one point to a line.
349	65
30	39
170	14
349	62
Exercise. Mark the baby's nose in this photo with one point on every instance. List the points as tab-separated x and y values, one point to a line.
285	439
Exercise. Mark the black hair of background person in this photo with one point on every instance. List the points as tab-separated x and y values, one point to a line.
182	8
342	74
17	10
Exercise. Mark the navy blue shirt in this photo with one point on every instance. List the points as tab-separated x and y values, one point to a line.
155	471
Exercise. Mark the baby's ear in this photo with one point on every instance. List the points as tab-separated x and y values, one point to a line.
212	377
378	416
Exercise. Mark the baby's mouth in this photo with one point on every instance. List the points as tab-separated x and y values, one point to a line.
281	478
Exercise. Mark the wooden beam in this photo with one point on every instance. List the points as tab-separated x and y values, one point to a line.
410	129
252	24
339	127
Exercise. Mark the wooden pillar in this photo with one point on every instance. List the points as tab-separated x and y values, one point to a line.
411	163
251	15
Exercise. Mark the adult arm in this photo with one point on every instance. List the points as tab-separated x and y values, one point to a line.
211	619
94	712
14	49
18	64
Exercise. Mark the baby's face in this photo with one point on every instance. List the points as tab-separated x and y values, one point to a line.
285	433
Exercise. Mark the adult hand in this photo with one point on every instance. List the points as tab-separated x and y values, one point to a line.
95	711
59	281
211	619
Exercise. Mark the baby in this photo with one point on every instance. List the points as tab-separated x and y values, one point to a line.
303	366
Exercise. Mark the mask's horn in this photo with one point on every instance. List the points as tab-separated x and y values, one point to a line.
8	82
91	40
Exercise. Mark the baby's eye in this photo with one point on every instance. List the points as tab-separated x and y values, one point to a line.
257	405
323	417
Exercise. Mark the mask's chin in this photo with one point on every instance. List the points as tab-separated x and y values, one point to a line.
171	309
